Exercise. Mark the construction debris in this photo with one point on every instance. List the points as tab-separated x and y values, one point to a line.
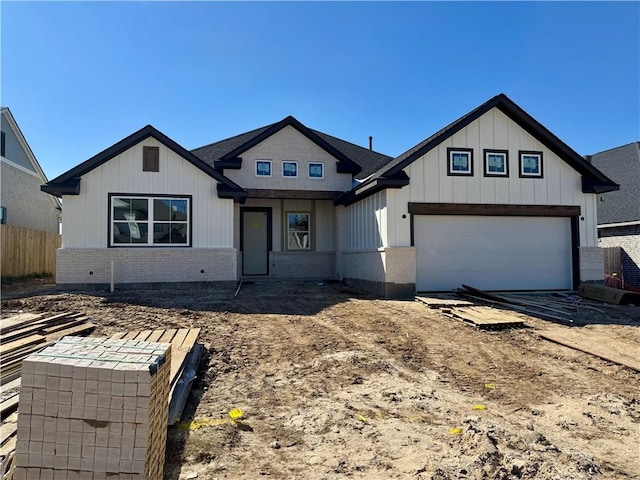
608	294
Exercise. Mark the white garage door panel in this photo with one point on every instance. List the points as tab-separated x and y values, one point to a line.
492	253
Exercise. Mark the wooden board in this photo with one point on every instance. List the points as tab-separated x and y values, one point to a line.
485	317
593	343
23	342
443	301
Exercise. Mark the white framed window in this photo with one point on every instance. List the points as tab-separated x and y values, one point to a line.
290	169
496	163
530	164
149	221
263	168
316	170
298	231
459	161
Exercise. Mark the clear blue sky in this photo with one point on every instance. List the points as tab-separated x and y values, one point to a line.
79	77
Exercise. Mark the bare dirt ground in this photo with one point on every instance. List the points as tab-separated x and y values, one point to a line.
334	384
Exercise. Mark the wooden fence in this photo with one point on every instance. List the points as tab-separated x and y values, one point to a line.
26	252
612	261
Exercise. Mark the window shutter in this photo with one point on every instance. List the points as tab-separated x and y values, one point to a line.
2	143
150	159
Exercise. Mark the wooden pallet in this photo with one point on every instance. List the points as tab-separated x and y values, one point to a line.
484	317
440	301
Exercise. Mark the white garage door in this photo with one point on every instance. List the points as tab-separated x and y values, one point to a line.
492	253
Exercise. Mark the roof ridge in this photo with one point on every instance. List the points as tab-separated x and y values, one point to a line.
234	136
636	143
350	143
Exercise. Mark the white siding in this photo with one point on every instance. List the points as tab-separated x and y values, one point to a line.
86	216
560	185
367	224
289	145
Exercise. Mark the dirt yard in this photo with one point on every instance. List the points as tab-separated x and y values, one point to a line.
335	384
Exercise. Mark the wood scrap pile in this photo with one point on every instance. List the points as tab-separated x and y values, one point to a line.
558	308
483	317
21	336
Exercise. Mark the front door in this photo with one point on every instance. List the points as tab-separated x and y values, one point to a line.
255	240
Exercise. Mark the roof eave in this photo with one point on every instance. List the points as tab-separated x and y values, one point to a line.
377	185
68	187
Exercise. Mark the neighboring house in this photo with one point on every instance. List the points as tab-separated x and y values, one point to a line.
619	211
493	200
22	203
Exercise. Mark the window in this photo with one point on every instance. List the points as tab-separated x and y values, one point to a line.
150	221
460	161
316	170
530	164
298	233
290	169
3	143
150	159
496	163
263	168
3	215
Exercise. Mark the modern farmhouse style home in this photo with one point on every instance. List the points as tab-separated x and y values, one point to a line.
494	200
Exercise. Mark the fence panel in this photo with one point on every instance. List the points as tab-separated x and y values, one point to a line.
27	252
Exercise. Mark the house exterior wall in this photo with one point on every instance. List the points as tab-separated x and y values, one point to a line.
27	206
320	261
289	145
560	185
14	149
366	223
211	257
628	238
86	216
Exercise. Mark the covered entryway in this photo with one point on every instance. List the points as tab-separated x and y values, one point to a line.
255	240
493	252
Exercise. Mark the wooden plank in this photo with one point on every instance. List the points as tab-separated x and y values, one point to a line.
167	335
607	294
130	335
15	321
118	336
7	430
63	326
191	338
577	340
155	335
179	338
434	302
180	391
10	386
528	311
143	335
23	342
85	327
9	406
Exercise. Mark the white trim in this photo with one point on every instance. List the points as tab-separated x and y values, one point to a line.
620	224
504	173
19	167
297	169
309	172
469	169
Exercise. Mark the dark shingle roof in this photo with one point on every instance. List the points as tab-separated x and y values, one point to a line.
622	165
368	160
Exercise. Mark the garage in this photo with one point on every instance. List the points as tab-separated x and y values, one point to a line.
492	252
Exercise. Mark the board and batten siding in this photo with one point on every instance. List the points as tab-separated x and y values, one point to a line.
86	216
289	145
367	224
560	185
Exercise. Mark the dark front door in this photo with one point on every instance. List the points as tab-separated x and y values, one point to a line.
255	240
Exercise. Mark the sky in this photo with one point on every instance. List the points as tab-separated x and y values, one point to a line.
80	76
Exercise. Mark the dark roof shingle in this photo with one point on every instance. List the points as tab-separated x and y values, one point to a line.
622	165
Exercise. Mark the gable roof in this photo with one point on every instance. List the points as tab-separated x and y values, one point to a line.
622	165
593	181
69	182
11	122
351	158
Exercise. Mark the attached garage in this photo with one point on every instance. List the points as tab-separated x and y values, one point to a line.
493	252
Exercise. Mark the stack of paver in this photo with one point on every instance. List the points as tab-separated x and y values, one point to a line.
93	408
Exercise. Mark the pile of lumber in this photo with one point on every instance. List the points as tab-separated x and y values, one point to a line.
561	309
21	335
185	357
